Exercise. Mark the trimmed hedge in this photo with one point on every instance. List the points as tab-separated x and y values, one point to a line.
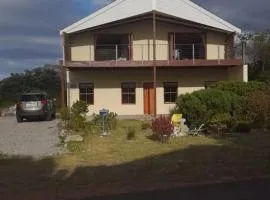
226	102
201	106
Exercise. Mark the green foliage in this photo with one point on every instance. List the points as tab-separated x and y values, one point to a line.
131	133
242	127
40	79
75	118
201	106
110	120
79	108
6	104
162	128
65	114
240	88
258	109
91	128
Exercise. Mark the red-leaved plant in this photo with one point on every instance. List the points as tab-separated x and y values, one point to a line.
162	128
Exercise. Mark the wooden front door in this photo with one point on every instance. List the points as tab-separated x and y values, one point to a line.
148	89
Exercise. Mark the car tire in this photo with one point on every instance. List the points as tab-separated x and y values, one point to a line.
48	117
19	119
54	116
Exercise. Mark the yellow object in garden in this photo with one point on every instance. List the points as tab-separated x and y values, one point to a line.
176	118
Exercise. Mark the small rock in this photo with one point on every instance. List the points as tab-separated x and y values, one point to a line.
74	138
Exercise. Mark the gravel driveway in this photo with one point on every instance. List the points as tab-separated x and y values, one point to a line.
37	139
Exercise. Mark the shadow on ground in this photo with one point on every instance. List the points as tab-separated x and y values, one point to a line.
26	178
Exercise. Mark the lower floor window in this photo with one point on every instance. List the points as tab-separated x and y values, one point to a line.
87	93
170	92
128	93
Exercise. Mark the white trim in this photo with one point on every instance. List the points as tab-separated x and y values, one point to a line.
245	73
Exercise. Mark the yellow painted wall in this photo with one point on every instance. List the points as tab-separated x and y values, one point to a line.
82	44
107	92
215	45
236	73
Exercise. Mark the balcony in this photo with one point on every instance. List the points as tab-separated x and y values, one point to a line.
141	55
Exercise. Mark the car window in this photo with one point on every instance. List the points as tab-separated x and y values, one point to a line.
32	97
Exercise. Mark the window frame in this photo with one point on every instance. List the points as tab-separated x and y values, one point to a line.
86	93
128	93
164	92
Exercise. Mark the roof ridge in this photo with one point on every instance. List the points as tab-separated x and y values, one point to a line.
93	15
208	13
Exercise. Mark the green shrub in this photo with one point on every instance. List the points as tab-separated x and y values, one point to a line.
110	120
146	126
65	114
240	88
258	109
201	106
79	108
162	128
131	133
242	127
74	118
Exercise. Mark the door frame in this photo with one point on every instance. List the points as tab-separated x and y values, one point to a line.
148	86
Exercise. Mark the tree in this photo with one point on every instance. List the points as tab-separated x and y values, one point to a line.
39	79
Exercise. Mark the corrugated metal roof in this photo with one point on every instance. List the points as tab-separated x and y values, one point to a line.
122	9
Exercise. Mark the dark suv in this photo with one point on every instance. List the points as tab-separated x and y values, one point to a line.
35	105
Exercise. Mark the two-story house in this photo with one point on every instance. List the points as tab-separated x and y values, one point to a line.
134	57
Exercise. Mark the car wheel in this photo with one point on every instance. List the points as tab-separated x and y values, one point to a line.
19	119
48	117
54	115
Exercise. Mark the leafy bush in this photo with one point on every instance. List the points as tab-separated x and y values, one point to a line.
162	128
79	108
146	126
240	88
201	106
242	127
258	109
110	120
74	118
131	133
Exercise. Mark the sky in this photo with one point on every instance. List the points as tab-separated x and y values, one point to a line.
29	29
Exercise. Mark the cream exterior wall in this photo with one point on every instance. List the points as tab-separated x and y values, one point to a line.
239	73
215	45
107	92
82	44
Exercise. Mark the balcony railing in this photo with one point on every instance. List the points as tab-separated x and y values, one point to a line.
144	52
123	55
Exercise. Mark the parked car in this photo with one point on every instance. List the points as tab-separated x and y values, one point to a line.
35	105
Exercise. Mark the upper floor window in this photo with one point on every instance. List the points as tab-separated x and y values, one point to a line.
128	93
87	93
170	92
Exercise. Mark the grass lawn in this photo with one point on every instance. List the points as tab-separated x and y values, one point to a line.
114	164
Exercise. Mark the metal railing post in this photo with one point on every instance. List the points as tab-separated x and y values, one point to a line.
193	53
116	53
142	52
